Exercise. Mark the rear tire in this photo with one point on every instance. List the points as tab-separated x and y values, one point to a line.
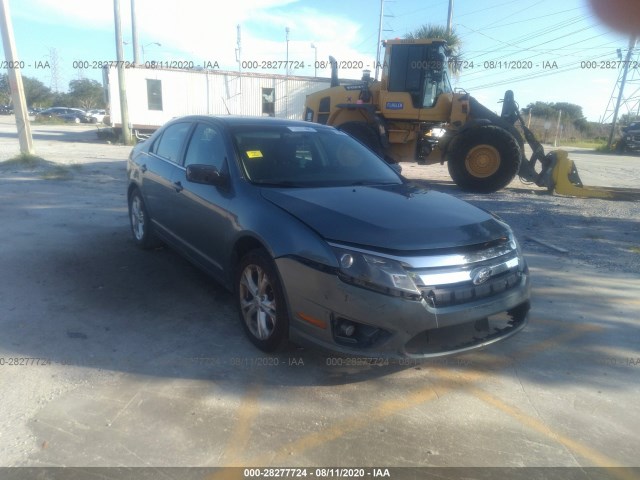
484	159
140	222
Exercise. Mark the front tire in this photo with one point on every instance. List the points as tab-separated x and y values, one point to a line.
260	301
484	159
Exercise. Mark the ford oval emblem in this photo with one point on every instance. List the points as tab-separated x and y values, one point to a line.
480	275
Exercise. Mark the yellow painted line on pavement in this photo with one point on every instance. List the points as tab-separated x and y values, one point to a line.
627	300
588	453
448	381
241	434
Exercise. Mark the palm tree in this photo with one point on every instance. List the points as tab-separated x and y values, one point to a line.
454	44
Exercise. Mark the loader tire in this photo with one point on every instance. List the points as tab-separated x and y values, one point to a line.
484	159
365	134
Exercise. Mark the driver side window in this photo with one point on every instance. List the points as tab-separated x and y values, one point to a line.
206	147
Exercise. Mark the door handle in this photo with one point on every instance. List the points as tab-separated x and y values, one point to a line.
143	167
178	186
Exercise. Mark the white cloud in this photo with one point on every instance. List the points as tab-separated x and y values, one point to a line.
198	31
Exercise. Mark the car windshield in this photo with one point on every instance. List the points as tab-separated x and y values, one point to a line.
296	156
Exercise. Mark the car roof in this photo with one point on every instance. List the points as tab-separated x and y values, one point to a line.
238	120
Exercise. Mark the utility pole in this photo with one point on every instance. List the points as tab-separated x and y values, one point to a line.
380	30
555	140
286	73
379	40
15	81
450	17
627	60
122	91
315	58
54	61
134	34
238	49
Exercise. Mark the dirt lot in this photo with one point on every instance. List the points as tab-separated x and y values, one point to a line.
114	357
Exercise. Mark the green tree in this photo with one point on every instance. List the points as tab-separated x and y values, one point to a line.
86	93
571	114
454	44
5	91
569	110
35	92
540	109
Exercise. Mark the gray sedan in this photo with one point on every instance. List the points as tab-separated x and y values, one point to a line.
322	242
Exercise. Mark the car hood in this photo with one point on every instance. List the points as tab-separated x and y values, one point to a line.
395	217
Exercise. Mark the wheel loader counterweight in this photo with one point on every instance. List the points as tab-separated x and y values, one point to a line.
413	114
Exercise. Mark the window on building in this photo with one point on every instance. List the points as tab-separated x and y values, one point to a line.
154	94
269	102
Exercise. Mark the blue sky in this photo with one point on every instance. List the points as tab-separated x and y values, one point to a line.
496	35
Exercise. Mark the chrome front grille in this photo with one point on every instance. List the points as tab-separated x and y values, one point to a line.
487	273
449	295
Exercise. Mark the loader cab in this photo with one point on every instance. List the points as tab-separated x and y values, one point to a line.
417	68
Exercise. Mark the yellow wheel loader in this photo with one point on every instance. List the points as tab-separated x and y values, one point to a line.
413	114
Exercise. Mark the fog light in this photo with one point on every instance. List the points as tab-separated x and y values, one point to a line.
347	329
346	260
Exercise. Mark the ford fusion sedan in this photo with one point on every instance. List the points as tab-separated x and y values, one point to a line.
322	242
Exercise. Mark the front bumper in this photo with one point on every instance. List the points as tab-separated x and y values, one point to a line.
323	308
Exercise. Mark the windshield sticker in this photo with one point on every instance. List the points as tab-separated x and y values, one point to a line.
254	154
301	129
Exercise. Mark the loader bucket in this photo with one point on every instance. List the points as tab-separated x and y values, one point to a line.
566	181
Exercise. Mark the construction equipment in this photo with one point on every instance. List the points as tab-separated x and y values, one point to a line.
413	114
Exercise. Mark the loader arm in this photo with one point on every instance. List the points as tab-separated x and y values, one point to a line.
558	173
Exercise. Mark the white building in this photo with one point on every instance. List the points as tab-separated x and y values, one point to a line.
155	96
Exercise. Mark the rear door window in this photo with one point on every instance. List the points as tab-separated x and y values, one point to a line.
169	146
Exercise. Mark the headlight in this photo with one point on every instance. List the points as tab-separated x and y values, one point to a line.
375	273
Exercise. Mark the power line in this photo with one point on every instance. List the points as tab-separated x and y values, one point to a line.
529	76
488	8
528	20
513	14
533	53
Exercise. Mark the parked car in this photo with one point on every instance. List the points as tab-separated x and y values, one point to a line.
96	115
6	110
321	241
75	115
630	141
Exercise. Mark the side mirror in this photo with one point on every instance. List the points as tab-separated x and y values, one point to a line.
205	174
